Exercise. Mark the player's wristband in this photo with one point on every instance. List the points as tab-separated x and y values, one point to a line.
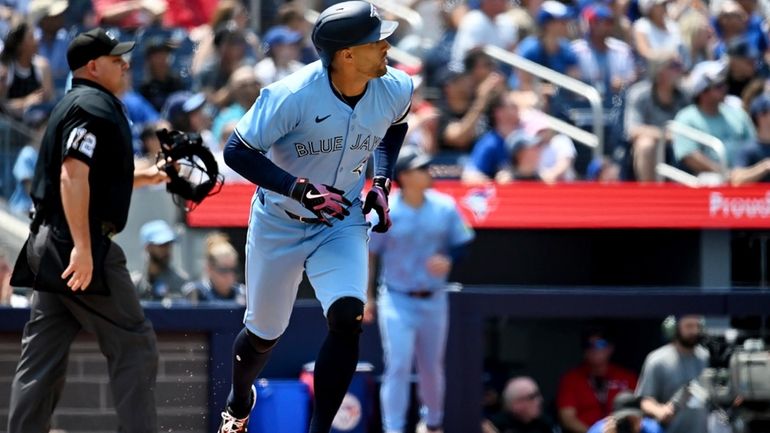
382	182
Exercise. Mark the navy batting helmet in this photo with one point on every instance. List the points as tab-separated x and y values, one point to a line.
348	24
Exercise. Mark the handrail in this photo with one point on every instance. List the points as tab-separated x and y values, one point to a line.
394	53
571	131
677	175
17	125
703	138
561	80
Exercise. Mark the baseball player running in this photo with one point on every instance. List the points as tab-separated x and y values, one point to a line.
306	142
416	256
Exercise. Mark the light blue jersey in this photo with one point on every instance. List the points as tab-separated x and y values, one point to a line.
309	132
415	329
416	235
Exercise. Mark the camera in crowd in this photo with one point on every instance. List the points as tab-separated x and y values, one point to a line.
736	384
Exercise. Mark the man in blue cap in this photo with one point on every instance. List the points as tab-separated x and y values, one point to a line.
159	280
283	53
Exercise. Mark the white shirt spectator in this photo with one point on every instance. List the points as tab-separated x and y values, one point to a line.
267	72
478	29
620	62
560	147
662	40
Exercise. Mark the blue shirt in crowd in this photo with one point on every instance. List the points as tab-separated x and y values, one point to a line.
532	49
490	154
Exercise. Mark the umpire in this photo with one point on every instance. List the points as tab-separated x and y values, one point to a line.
81	191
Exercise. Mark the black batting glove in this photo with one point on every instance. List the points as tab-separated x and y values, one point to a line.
320	199
377	199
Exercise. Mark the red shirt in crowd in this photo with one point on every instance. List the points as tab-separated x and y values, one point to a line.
577	391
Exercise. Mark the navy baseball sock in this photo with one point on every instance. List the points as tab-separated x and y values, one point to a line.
333	372
250	355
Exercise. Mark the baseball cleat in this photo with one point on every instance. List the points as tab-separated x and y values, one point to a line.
231	424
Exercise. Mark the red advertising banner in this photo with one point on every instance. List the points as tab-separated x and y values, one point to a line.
576	205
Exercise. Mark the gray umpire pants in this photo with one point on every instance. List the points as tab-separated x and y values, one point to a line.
125	338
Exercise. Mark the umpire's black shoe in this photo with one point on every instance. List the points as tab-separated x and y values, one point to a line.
231	424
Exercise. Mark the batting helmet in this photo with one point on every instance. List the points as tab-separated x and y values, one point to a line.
348	24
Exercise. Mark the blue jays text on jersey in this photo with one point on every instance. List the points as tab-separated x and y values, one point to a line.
308	131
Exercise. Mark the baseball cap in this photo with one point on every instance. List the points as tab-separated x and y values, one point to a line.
626	404
39	9
158	44
706	74
157	232
646	5
411	158
595	12
281	35
182	103
92	45
552	10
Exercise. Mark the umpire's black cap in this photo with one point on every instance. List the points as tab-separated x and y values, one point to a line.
411	158
348	24
94	44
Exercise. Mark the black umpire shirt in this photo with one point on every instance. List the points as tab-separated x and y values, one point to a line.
88	124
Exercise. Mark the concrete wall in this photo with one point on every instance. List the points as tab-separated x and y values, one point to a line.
86	403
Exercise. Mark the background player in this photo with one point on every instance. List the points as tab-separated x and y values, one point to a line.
320	126
427	238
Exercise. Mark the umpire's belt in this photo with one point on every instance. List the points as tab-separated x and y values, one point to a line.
307	220
418	294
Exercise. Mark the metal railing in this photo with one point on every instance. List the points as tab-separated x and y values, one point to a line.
564	81
405	13
394	53
13	134
664	170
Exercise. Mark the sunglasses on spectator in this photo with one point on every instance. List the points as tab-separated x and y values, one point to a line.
529	397
224	270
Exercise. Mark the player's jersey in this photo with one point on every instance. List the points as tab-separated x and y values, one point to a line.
308	131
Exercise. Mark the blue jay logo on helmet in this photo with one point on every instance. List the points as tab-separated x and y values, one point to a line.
348	24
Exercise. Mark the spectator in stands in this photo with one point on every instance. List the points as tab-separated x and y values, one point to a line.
20	202
523	17
160	80
244	88
436	59
487	25
655	33
423	116
605	62
755	160
542	154
128	15
283	53
698	41
219	282
550	48
462	118
292	15
7	295
650	104
523	410
25	75
140	111
478	65
670	369
149	146
227	13
159	280
186	111
587	392
627	417
732	23
756	28
491	154
230	43
744	65
52	39
710	114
